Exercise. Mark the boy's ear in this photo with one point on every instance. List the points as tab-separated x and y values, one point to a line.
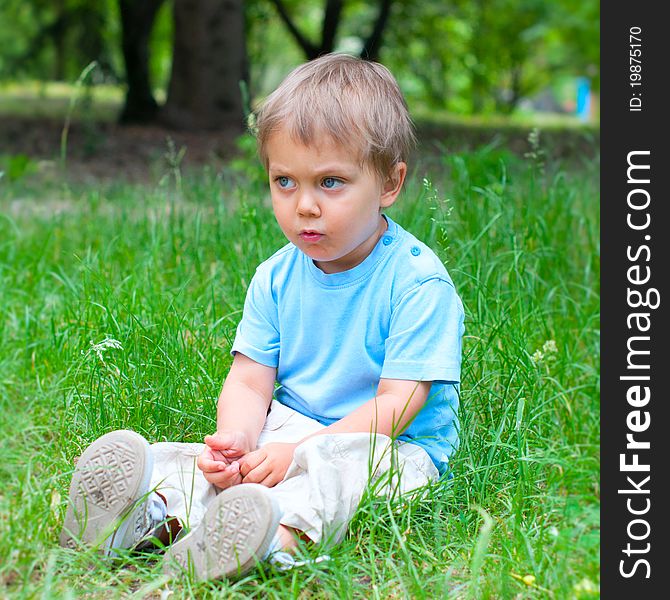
393	184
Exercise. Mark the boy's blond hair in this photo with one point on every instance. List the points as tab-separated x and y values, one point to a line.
357	103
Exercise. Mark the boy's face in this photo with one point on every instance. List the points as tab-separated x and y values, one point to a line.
326	202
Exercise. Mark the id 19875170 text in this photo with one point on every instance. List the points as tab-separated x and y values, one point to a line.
635	68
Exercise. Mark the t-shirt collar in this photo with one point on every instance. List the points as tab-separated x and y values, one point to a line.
382	248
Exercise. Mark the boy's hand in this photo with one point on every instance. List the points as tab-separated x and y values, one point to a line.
218	472
228	445
267	465
219	461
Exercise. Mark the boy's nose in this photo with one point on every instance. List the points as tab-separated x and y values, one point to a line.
308	205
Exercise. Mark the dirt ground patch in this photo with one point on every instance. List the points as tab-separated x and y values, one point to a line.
104	151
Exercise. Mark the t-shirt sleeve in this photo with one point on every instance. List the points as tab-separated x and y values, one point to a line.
424	342
258	332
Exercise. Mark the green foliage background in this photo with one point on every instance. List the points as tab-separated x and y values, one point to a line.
461	56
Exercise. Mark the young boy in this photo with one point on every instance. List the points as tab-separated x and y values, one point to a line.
355	319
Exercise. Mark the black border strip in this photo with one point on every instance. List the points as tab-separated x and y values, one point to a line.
634	386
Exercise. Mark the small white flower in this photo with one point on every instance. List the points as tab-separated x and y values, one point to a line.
586	587
549	347
546	354
101	347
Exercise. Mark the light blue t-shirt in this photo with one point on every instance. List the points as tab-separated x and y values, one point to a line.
332	337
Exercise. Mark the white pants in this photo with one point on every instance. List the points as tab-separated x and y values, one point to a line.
323	484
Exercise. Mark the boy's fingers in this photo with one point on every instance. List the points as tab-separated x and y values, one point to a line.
229	481
225	442
220	441
269	481
257	475
217	442
223	480
250	461
207	465
217	455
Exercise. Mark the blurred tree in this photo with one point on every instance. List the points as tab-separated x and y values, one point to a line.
458	55
332	16
479	56
427	44
505	35
54	38
137	21
209	61
575	38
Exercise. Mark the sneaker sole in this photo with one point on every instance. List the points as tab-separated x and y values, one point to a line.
112	474
235	534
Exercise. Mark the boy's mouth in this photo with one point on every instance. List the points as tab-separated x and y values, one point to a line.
309	235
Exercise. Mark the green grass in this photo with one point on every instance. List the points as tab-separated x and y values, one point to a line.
163	269
51	99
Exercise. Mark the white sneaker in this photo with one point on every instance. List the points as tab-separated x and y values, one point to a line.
236	532
110	504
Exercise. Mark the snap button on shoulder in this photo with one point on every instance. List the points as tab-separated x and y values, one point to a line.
386	240
415	250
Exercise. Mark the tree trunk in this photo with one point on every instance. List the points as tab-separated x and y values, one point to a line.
137	20
373	44
209	62
59	32
331	21
311	51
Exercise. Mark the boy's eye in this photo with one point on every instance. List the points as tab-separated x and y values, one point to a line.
331	182
284	182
